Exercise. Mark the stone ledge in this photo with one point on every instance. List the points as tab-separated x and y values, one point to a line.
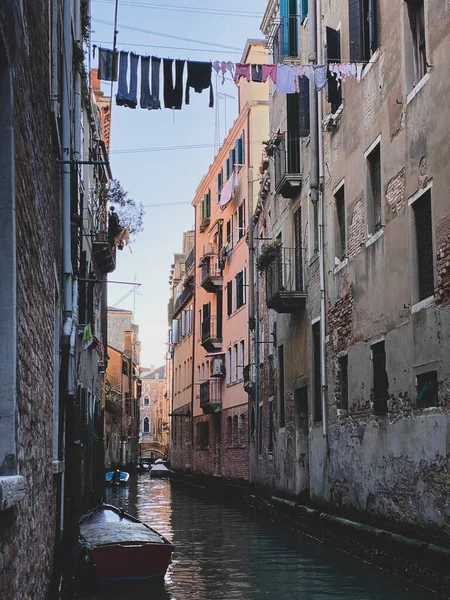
12	491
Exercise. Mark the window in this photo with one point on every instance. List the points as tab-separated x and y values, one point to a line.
229	298
286	39
427	390
206	205
417	65
242	435
260	428
239	151
317	372
146	400
282	417
298	237
339	224
219	184
235	362
235	431
303	107
343	382
231	162
146	428
333	56
424	245
240	288
198	380
362	15
229	232
203	434
241	359
229	365
374	190
271	429
380	379
241	220
303	10
124	367
229	431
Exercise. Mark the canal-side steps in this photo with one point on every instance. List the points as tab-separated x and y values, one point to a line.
424	564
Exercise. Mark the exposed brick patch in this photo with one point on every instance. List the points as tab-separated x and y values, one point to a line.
395	195
339	323
443	261
181	442
356	235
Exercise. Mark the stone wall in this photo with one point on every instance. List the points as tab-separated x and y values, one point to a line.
28	530
180	451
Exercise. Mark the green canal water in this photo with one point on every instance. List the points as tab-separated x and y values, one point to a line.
225	553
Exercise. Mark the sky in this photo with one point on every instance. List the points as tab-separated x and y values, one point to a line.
165	180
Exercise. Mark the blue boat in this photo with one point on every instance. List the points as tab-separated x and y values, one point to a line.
117	477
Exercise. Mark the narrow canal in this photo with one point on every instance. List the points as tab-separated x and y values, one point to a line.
225	553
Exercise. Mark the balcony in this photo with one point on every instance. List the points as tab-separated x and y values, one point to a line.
211	278
190	260
212	334
185	295
283	40
103	247
249	386
285	281
211	396
288	179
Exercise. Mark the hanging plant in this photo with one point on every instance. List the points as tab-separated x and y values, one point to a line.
204	224
269	252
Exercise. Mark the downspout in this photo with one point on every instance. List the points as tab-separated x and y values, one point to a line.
321	215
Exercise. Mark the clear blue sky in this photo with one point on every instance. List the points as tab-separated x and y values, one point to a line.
162	177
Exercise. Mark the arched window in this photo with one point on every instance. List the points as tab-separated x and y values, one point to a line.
252	422
242	431
146	400
229	431
235	430
146	425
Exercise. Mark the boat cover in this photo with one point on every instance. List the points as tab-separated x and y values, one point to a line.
120	532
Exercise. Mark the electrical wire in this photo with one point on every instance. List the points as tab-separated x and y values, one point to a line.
170	148
168	35
169	47
190	9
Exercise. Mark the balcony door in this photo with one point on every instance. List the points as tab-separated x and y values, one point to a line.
298	250
219	313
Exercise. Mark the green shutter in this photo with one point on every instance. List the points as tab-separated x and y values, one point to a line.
303	10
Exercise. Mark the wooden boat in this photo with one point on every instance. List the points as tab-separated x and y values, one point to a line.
113	478
123	547
159	470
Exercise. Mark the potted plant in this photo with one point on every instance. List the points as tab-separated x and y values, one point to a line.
204	224
269	252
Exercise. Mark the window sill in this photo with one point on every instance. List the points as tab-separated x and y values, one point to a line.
233	383
425	303
12	491
417	88
372	61
372	238
340	266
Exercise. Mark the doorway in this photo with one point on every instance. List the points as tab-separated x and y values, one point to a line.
301	413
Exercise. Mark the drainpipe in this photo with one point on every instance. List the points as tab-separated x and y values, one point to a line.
77	93
316	179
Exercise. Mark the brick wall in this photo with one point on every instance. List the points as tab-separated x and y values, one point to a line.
180	452
27	531
443	261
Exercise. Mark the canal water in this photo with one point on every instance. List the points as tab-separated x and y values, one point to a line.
226	553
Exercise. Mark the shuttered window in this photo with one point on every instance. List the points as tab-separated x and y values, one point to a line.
303	10
362	15
303	106
334	56
229	298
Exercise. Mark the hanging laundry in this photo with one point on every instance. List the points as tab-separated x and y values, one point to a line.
127	96
286	75
199	78
242	70
107	66
269	71
150	100
173	95
231	68
257	73
320	76
216	66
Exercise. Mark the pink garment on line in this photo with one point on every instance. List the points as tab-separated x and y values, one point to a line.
269	71
242	70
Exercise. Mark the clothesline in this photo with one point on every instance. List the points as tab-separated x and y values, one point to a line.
287	78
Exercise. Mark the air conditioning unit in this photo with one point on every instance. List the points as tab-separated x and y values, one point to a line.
218	367
208	249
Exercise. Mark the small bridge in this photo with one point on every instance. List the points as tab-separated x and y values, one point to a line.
146	449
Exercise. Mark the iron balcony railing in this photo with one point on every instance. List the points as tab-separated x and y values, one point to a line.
185	295
285	40
190	260
286	273
210	269
211	395
287	157
211	329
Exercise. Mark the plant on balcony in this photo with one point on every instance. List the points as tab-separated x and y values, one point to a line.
269	147
269	252
130	212
204	224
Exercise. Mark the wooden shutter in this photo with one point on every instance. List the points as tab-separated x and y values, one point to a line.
243	147
355	29
303	10
229	298
303	102
244	284
373	33
227	169
333	55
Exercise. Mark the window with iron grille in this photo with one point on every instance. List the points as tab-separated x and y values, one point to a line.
374	190
317	373
415	35
427	390
343	382
424	245
340	227
281	390
380	378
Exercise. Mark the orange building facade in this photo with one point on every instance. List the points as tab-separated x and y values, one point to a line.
217	417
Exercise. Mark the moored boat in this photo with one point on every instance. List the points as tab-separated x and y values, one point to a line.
159	470
117	477
124	547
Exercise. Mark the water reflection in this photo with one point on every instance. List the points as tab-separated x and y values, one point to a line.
222	553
